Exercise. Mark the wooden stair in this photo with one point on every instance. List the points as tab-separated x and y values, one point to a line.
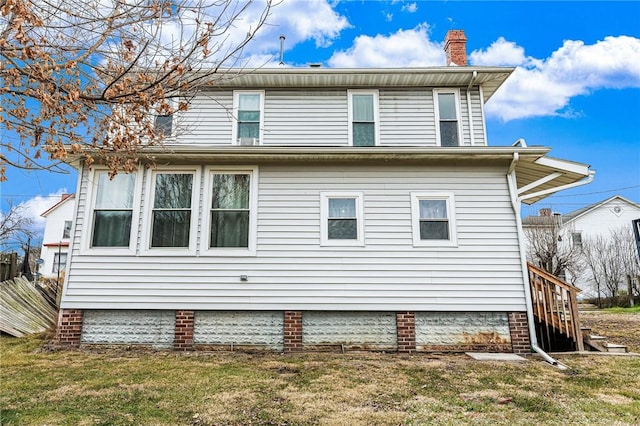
555	310
600	343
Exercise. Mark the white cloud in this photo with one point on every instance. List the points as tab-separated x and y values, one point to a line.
545	87
388	17
411	8
405	48
37	205
299	21
500	53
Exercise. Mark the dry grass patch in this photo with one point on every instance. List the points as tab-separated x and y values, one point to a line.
620	327
124	387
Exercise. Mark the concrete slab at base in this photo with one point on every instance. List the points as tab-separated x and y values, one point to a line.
486	356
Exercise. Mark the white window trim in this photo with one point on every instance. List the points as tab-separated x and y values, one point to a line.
456	93
87	227
146	249
415	218
205	250
236	108
324	219
376	113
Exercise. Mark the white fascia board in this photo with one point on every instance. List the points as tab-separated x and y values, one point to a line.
564	165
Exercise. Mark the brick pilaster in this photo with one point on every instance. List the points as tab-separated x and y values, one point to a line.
69	329
406	331
519	330
292	331
183	335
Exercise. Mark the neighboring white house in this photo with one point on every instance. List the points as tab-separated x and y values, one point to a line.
601	218
57	232
355	207
597	219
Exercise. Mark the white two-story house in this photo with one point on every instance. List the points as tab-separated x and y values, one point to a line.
57	233
306	208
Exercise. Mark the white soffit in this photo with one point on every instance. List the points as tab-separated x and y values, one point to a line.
547	173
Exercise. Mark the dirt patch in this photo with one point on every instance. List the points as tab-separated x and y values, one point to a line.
623	329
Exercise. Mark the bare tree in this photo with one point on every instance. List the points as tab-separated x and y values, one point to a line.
610	260
15	227
550	247
84	76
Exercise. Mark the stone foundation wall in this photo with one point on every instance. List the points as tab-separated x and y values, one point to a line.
292	331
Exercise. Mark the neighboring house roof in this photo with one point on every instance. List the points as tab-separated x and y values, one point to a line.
571	216
542	220
65	198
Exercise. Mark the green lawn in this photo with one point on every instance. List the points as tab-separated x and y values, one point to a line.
632	310
131	387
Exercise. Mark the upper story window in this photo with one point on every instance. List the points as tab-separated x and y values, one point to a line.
433	219
576	239
447	106
363	117
231	216
248	125
341	218
164	125
113	210
66	232
171	215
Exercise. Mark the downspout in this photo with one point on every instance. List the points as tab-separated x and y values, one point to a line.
516	203
474	76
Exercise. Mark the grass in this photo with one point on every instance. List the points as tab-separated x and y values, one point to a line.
631	310
125	387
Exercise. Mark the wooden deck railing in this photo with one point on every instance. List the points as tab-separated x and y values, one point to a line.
555	305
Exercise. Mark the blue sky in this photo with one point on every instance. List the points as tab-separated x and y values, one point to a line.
576	87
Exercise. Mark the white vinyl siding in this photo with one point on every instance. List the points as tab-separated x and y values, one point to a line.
306	118
292	271
407	117
208	120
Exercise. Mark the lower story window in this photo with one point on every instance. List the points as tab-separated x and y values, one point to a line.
433	218
342	219
113	210
230	210
171	216
59	262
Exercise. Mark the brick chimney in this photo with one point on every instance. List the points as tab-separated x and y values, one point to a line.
545	212
455	46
